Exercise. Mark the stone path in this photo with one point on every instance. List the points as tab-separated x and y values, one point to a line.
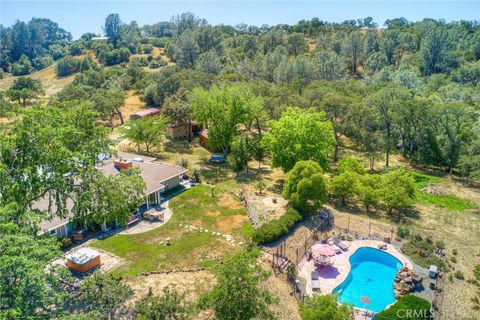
227	237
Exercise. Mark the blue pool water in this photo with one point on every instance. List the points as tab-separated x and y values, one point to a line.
371	275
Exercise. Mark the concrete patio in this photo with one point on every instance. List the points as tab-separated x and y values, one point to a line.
331	277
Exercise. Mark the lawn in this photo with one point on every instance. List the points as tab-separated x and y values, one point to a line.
148	251
448	201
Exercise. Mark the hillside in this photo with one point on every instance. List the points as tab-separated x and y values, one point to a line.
48	76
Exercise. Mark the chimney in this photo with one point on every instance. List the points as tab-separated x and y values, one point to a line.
123	164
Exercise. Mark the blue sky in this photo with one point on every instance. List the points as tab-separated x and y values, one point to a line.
79	17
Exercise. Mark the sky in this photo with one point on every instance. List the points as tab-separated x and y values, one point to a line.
83	16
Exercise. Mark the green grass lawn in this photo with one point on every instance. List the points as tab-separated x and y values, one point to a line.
448	201
145	252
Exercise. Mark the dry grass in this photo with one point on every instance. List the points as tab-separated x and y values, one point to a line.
48	76
189	284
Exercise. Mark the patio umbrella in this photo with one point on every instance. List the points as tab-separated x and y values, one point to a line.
323	250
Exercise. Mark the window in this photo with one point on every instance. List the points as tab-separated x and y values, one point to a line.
53	232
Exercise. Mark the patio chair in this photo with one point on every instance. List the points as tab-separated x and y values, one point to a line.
340	244
315	281
337	249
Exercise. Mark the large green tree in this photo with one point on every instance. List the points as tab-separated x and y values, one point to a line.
25	88
29	286
222	110
324	307
385	101
306	186
238	294
299	135
104	294
148	131
112	27
169	306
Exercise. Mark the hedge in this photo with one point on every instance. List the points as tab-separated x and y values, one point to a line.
407	307
274	229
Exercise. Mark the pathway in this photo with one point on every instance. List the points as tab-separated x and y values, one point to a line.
227	237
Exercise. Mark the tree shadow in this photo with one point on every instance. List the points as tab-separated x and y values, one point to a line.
178	146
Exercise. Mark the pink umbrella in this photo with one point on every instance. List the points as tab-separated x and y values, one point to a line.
322	250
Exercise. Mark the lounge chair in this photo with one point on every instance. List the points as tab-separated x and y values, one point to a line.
340	244
315	281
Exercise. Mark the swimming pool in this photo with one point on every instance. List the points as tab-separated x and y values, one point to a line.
371	275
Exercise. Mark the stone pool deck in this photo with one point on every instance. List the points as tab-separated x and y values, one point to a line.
331	277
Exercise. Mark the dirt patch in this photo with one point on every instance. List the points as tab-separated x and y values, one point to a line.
213	213
190	284
228	224
287	307
227	200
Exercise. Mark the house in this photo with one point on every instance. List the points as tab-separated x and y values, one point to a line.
150	112
182	132
158	178
99	39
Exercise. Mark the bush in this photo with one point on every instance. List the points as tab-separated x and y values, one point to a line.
147	48
403	232
156	63
76	48
274	229
22	67
159	42
42	62
459	275
67	66
115	56
416	307
182	162
65	242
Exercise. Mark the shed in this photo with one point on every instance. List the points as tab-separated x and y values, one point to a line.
205	142
83	260
144	113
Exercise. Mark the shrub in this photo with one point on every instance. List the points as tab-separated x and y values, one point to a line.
156	63
67	66
65	242
56	51
454	252
182	163
116	56
274	229
42	62
159	42
459	275
453	259
76	48
403	232
22	67
420	309
147	48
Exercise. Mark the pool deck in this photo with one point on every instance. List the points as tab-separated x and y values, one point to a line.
331	277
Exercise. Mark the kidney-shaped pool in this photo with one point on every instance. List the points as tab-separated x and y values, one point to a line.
369	284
